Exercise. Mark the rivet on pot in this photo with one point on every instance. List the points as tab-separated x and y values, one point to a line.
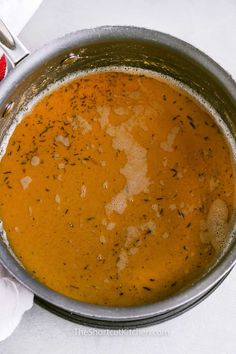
70	59
8	109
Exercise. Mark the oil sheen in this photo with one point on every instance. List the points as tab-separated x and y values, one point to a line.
117	189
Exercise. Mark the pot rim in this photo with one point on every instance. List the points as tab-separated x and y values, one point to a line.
101	35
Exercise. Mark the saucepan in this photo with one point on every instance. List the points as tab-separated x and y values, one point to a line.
104	47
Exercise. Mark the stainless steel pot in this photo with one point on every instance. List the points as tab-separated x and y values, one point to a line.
102	47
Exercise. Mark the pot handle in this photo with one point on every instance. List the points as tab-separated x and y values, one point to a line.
13	48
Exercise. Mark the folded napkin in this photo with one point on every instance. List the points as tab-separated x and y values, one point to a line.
15	299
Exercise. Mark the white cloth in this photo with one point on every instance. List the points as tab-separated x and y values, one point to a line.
15	299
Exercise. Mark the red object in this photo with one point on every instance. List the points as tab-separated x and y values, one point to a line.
3	67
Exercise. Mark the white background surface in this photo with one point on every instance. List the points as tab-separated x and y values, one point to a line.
210	327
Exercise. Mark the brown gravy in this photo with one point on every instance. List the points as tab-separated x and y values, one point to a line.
116	189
